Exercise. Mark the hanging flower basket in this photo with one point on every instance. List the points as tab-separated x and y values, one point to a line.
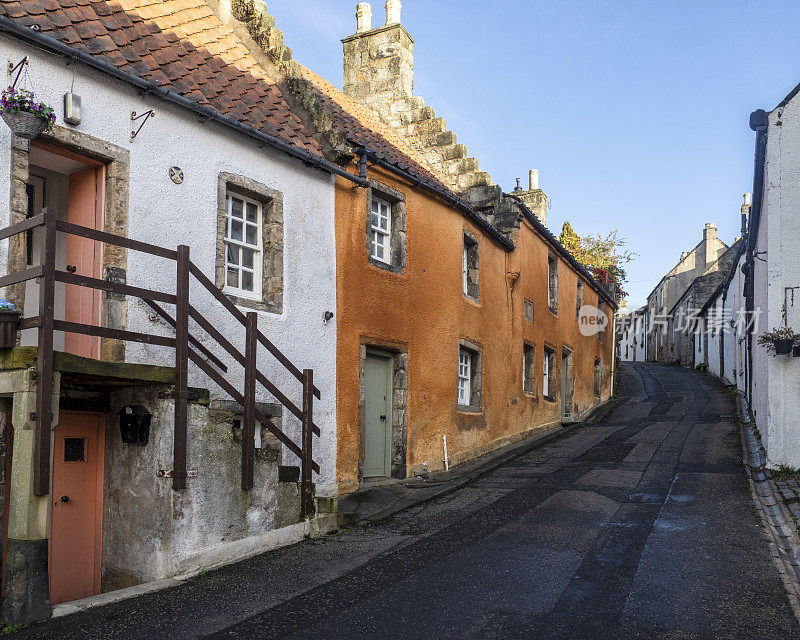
9	324
26	117
783	346
780	341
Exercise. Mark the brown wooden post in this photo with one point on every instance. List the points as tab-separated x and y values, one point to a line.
44	359
181	370
249	421
306	499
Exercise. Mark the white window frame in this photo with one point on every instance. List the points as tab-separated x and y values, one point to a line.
546	372
258	249
464	376
381	211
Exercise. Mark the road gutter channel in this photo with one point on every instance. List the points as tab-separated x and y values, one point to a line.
785	538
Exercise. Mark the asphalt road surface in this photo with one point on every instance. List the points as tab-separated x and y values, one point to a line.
640	526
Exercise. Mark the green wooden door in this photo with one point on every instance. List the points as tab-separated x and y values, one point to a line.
566	383
377	418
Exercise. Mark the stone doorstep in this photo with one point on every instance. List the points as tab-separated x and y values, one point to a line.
248	548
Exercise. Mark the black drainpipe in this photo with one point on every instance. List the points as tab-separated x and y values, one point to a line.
759	122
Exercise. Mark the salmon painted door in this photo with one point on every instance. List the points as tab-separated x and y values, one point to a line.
76	521
84	257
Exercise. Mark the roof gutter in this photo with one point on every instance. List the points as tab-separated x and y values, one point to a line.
59	48
459	204
562	250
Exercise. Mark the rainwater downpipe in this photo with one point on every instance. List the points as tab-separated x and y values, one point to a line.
446	460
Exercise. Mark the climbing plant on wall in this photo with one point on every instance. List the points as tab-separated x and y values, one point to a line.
604	256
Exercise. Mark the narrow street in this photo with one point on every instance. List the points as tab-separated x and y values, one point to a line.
640	526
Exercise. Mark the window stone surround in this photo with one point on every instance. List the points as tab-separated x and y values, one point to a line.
397	239
476	378
552	283
473	264
271	240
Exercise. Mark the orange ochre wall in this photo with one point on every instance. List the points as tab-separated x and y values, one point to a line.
424	312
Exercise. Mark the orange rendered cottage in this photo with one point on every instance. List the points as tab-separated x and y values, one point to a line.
458	327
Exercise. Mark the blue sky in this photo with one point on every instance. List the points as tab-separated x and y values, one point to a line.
635	112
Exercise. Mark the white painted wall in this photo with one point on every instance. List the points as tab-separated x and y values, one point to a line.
167	214
712	330
700	356
776	379
630	335
734	343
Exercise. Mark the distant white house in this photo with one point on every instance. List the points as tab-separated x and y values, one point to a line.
630	331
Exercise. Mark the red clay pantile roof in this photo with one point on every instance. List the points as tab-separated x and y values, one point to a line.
179	45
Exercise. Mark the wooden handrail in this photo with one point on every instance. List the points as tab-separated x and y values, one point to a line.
47	324
21	227
120	241
117	334
211	330
233	393
230	306
192	340
116	287
21	276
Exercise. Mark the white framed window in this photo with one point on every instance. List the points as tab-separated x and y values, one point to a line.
548	373
243	259
464	376
381	226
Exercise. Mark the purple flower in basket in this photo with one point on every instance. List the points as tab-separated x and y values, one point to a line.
19	100
7	307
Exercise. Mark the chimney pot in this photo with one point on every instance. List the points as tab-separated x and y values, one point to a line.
748	198
533	179
363	17
393	12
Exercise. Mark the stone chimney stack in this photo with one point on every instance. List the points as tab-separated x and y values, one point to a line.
379	62
748	202
393	12
710	239
363	17
534	198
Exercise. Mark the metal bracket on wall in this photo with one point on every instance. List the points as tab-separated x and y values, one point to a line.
19	68
146	115
168	473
